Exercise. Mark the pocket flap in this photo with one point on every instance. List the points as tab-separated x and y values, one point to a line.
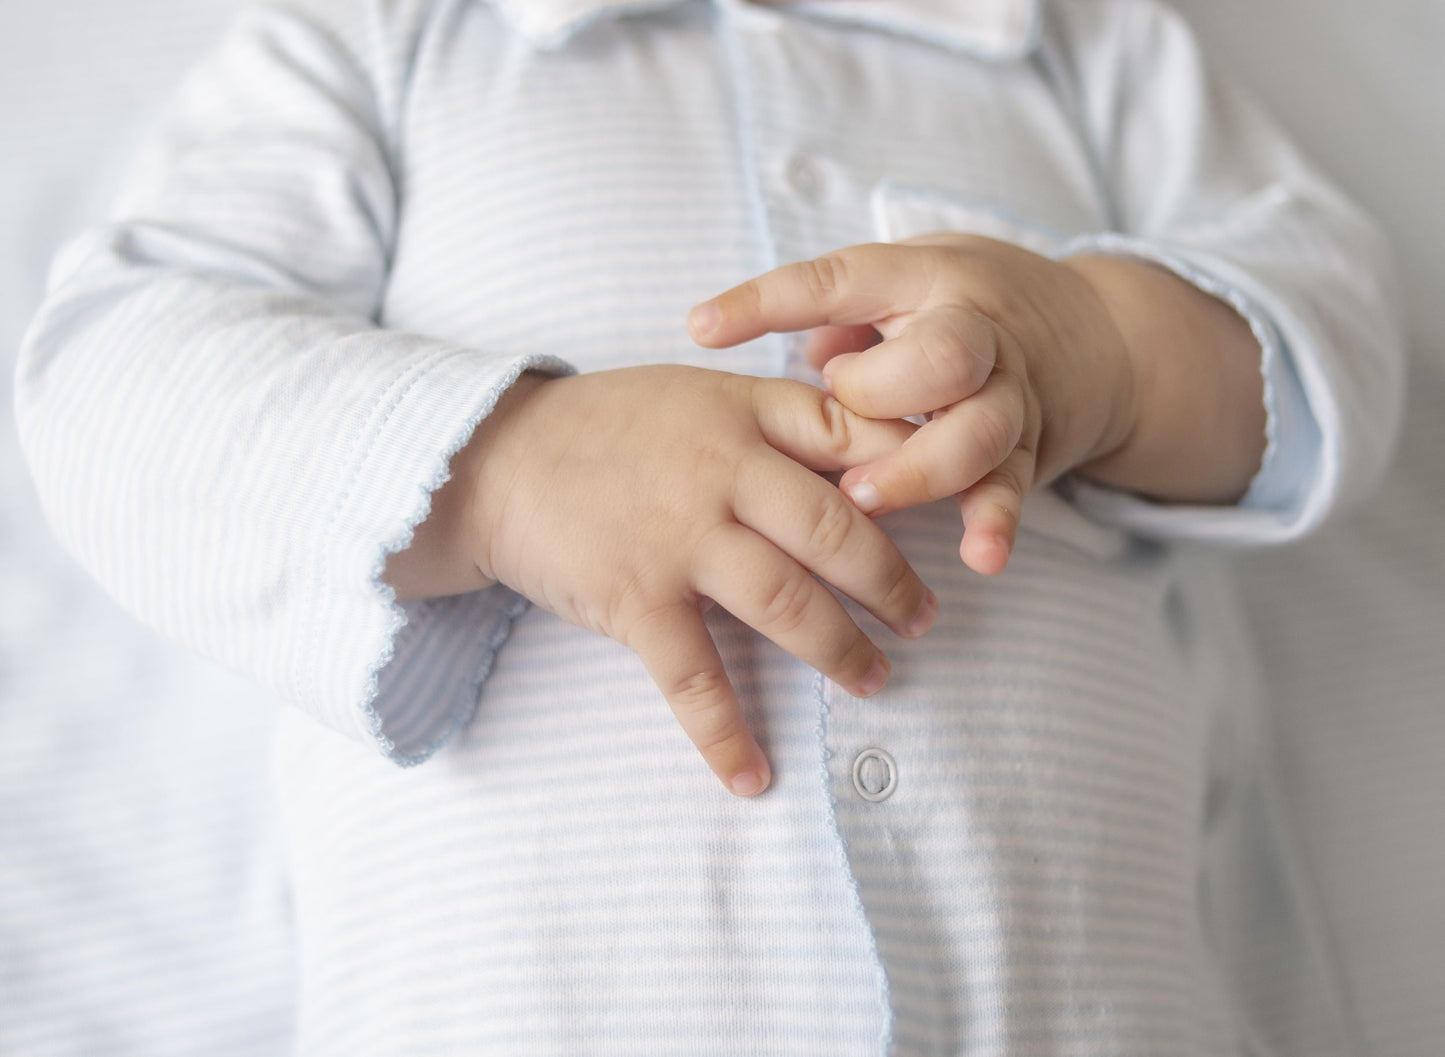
901	212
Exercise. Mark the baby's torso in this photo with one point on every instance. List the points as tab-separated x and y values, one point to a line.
587	882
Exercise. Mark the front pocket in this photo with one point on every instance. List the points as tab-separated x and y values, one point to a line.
901	212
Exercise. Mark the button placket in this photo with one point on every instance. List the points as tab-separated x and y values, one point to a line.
810	200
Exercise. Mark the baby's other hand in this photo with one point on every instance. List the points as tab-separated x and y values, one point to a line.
1012	357
624	501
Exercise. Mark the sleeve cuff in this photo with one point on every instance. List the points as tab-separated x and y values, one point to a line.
1290	493
406	677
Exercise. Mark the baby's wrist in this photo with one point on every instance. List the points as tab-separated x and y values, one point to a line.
449	551
489	464
1114	371
1191	426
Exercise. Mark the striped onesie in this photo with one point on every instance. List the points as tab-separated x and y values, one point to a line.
1052	833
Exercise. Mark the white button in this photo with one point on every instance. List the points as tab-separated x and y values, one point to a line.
806	178
875	775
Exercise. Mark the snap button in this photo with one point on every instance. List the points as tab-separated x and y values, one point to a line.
875	775
805	177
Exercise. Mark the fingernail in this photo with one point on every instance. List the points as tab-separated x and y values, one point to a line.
874	680
704	318
865	497
828	377
749	783
923	619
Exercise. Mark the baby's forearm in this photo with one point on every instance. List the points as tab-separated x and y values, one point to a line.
1196	416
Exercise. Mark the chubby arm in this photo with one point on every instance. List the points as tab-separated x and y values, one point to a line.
219	430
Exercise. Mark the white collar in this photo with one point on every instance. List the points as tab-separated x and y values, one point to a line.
992	29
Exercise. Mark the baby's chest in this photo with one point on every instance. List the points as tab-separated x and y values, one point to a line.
578	202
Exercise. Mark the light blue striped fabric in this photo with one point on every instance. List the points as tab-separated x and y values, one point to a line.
360	223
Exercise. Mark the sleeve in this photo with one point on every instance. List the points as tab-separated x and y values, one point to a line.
218	429
1203	184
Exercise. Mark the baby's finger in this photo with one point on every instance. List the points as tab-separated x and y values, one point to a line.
815	525
850	287
778	598
828	341
811	427
941	357
992	510
953	451
680	655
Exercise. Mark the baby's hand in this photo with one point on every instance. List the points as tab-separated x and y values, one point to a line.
624	501
1013	357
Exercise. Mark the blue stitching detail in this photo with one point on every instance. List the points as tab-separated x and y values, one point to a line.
885	992
463	712
385	593
382	592
749	160
370	432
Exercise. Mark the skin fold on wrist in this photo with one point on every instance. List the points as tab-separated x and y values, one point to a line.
442	558
1197	426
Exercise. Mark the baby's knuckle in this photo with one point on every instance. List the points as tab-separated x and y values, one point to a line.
975	335
837	425
915	480
1004	515
698	693
636	629
785	605
1009	485
713	729
749	298
825	276
630	596
994	433
945	358
854	655
902	593
831	528
1012	386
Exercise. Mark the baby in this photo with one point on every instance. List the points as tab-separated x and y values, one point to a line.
378	389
